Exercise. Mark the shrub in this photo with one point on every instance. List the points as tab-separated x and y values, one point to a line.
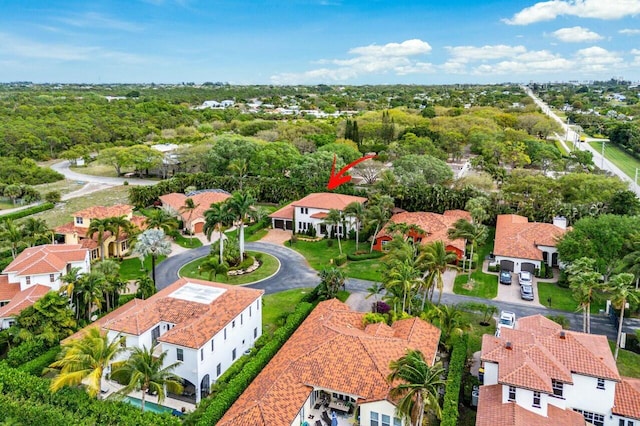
382	307
26	351
372	318
28	212
454	381
340	260
53	197
329	243
125	183
36	366
560	319
365	256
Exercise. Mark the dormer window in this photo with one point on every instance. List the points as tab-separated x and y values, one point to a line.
558	388
78	220
600	384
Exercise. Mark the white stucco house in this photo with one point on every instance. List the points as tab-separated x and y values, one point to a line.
539	374
333	363
202	325
521	245
311	211
34	272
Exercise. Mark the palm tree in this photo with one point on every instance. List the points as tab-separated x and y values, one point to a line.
241	204
584	281
404	276
216	217
161	219
152	242
214	268
144	370
474	233
357	212
189	207
12	234
334	218
69	280
88	291
85	358
622	293
100	227
238	166
331	279
436	259
121	224
374	290
36	231
111	271
146	287
416	384
450	321
13	191
376	215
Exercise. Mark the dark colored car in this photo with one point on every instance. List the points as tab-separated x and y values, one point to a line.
526	292
505	277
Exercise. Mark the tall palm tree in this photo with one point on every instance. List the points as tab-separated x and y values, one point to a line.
121	224
241	204
405	276
85	358
436	259
584	282
152	242
334	219
376	215
474	233
189	207
450	321
12	234
88	291
111	271
99	228
621	291
161	219
69	280
238	166
416	384
146	288
36	231
357	212
216	217
375	290
144	370
331	279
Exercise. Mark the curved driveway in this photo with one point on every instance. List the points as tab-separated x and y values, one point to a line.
293	273
63	168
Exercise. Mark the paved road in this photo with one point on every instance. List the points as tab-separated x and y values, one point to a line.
573	138
63	168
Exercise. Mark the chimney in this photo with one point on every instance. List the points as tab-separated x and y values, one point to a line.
508	346
563	335
560	222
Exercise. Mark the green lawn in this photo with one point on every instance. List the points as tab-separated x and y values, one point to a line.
486	285
619	157
186	242
476	331
561	298
257	236
130	268
628	362
269	267
319	256
276	306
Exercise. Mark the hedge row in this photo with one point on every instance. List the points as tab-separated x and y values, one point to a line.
28	212
69	406
25	352
225	398
365	256
36	366
454	381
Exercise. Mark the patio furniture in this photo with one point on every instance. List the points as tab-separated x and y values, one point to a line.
326	418
339	405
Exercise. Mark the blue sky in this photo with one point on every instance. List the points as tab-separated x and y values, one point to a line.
319	41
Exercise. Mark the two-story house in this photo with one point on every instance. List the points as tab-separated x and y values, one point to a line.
76	232
333	363
193	221
33	273
202	325
540	374
311	212
435	227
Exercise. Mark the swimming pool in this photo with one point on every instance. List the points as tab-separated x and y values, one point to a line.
148	406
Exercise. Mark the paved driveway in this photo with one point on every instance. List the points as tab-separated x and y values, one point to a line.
511	293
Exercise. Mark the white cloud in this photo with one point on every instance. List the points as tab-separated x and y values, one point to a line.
396	58
576	35
597	59
629	31
473	53
597	9
98	20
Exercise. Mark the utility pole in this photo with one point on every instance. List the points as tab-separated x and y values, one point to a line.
602	166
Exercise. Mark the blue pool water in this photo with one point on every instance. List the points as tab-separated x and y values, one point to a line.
148	406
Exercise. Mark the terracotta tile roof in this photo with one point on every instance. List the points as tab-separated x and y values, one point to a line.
22	300
284	213
139	221
328	200
88	243
627	399
332	350
492	412
319	215
202	199
7	289
195	323
70	228
435	225
517	237
127	307
46	259
102	212
544	353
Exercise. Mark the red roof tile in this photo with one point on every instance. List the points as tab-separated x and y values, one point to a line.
284	213
7	289
46	259
22	300
203	200
328	200
517	237
492	412
627	398
102	212
333	350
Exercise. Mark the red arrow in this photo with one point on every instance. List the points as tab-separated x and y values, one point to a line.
335	180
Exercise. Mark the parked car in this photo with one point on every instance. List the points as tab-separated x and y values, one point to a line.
525	278
507	320
505	277
526	292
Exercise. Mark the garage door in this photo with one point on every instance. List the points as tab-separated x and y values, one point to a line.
289	225
197	227
529	267
278	224
506	264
